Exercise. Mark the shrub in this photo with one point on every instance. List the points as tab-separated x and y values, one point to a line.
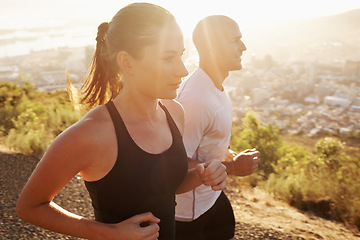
266	139
32	142
327	179
30	119
330	175
61	117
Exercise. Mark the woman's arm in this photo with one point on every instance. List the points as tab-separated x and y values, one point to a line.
62	161
73	151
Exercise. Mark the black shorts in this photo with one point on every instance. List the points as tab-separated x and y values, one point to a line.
218	223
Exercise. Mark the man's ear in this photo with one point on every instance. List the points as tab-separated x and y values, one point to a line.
125	62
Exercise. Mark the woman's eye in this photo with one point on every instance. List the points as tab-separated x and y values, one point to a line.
168	59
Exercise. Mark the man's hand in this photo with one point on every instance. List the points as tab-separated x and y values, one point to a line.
229	156
212	173
243	164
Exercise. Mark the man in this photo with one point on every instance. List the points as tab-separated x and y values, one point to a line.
204	213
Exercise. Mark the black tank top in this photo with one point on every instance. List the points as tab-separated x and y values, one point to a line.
139	181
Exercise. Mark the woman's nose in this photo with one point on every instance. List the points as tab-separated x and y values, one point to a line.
182	71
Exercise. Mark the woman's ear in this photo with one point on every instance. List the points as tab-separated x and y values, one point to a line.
125	62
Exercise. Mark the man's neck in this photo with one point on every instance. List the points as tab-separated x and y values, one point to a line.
216	75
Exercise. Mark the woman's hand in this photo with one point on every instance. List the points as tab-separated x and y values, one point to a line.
212	173
139	227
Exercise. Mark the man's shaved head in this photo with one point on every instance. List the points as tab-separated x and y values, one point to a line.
211	29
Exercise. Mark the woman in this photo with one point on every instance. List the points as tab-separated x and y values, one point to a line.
129	151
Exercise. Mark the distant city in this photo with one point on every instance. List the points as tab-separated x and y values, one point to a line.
311	87
300	98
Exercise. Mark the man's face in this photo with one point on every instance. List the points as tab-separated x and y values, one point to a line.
229	47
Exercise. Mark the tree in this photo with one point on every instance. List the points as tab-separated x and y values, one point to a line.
265	139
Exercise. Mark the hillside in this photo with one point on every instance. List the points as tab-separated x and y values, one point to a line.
339	34
258	215
342	27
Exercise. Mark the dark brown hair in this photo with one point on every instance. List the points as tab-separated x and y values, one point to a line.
131	29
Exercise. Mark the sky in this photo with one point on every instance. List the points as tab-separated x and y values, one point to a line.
249	13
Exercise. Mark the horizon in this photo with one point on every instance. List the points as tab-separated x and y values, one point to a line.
74	24
43	13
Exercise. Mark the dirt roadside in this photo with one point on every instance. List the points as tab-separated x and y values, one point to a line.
258	208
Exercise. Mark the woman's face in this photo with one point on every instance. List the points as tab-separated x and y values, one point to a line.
159	72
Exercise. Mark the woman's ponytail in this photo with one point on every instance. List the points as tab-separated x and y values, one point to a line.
102	79
131	29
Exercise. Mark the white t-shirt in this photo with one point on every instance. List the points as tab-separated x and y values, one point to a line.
208	121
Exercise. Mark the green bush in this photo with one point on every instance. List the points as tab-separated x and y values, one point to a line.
329	175
266	139
30	119
32	142
10	96
298	176
7	114
61	117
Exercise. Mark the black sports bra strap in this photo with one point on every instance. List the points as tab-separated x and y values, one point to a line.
115	117
168	116
120	125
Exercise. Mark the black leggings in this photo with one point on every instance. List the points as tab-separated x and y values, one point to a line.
218	223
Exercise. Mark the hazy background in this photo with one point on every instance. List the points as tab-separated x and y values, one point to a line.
41	24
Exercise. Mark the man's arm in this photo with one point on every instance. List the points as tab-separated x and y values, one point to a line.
242	164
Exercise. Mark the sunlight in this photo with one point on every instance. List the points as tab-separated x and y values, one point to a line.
85	16
187	12
250	14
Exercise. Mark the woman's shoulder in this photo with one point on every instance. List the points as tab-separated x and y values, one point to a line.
83	146
89	132
172	103
93	120
176	111
98	115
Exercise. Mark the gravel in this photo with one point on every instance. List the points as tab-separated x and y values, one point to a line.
16	169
